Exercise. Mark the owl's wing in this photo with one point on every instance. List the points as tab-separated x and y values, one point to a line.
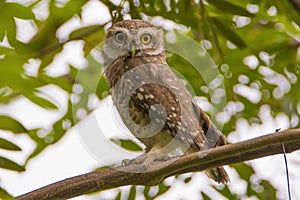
183	117
213	136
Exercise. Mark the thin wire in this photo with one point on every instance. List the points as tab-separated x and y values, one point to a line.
287	172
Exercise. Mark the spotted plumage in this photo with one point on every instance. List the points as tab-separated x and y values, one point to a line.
153	103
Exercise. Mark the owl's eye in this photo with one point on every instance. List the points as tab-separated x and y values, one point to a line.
146	38
120	37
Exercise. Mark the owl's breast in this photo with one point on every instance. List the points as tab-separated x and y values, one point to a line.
149	107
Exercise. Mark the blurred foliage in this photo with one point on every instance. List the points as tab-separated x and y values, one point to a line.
126	144
5	195
254	43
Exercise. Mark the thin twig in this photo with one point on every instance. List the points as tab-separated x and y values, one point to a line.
118	11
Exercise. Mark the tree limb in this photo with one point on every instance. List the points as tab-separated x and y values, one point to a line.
266	145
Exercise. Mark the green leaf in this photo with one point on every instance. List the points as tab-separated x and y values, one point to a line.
5	144
269	191
162	188
8	164
103	167
89	76
205	196
227	193
245	171
40	143
4	50
119	195
64	82
146	192
53	137
92	35
127	144
102	88
130	145
19	11
10	124
229	33
84	32
288	9
187	180
5	195
231	8
44	103
132	193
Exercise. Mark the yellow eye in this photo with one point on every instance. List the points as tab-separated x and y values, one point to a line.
120	37
146	38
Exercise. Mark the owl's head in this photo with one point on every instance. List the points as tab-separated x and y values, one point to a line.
133	38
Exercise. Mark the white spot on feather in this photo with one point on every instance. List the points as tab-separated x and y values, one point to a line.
140	96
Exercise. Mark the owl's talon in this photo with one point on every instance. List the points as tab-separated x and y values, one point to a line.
138	160
146	159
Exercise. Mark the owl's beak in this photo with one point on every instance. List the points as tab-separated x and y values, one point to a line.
133	49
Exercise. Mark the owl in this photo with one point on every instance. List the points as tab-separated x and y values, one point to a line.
152	101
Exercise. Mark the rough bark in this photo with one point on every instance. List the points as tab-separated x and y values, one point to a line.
266	145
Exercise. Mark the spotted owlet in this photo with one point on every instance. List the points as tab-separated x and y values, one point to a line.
153	103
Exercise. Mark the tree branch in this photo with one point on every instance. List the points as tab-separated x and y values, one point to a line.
267	145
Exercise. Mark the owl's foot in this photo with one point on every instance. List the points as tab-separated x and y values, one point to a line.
147	159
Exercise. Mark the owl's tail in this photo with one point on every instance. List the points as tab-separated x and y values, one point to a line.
218	174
